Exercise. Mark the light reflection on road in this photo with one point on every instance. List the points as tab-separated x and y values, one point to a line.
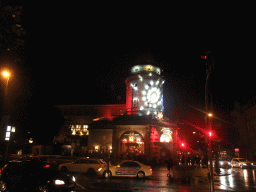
235	178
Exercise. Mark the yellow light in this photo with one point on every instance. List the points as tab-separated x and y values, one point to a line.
210	114
6	74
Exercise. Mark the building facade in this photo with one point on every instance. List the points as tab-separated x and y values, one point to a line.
133	130
245	124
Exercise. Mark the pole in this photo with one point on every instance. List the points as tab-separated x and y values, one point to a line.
210	158
209	67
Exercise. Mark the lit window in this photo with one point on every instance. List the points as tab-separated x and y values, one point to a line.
78	127
85	129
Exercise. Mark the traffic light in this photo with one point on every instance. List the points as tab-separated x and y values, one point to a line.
210	134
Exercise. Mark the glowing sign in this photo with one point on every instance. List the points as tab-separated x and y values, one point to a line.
166	136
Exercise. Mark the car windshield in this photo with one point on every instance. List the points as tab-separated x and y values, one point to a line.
241	159
102	161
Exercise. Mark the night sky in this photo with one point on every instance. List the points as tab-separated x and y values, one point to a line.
81	54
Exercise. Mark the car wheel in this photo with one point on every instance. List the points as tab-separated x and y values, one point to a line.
64	169
91	171
107	174
141	175
3	186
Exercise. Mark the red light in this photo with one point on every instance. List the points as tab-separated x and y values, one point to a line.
210	133
182	145
47	166
203	57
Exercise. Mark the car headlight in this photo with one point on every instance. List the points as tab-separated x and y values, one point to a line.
100	169
221	163
229	163
73	179
59	182
251	163
244	164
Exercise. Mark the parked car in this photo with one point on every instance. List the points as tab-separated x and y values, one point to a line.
241	162
30	175
84	165
128	168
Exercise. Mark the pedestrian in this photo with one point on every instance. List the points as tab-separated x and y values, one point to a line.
170	167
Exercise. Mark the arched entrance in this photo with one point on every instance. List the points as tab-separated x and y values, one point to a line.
131	145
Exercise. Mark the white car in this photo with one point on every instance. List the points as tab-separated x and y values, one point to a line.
128	168
84	165
241	162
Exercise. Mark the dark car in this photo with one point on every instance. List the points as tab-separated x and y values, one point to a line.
32	175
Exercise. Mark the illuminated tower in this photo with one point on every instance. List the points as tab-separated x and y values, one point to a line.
144	90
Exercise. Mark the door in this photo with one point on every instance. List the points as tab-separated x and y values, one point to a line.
79	166
127	168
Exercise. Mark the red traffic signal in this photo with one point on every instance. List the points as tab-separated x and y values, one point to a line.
183	145
210	134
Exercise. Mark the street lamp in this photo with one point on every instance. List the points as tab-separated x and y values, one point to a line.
6	75
210	114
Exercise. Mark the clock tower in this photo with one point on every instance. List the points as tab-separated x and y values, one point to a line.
144	90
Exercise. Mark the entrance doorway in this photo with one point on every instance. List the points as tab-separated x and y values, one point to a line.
164	154
131	145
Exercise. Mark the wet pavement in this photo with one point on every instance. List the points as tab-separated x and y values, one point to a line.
184	180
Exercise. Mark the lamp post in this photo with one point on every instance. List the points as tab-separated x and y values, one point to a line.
208	102
210	150
6	75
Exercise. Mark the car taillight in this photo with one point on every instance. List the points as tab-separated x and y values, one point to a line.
46	166
150	168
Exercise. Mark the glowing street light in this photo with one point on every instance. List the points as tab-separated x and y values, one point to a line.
210	114
6	74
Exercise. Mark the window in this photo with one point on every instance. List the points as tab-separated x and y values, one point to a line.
85	129
129	164
73	130
81	161
78	127
92	162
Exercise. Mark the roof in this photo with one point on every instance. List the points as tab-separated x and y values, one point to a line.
131	120
101	124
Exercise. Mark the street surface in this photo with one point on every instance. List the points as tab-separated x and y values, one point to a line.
193	179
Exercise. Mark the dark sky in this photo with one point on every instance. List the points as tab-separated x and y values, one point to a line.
81	54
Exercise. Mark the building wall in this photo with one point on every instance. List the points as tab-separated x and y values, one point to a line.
84	115
245	123
100	138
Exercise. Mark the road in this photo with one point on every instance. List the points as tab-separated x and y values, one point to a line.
234	179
